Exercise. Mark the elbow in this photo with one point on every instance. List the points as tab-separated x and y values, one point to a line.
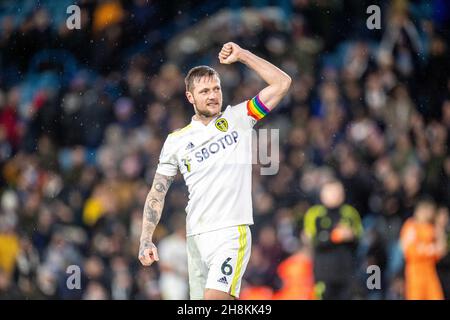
285	83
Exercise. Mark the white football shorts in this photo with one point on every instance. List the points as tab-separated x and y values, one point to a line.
218	259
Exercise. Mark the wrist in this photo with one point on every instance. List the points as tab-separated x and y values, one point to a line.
243	55
146	238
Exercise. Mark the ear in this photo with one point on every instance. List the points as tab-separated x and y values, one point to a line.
190	97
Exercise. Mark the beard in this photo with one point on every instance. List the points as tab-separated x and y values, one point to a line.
207	113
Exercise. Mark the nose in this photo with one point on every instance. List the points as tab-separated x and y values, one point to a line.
212	95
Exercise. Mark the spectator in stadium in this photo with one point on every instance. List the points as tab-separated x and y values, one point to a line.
297	275
8	288
424	243
9	245
173	262
333	229
443	266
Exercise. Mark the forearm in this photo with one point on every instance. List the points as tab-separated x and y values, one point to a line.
267	71
151	216
154	205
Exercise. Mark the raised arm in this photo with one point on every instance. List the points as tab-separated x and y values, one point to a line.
153	208
277	80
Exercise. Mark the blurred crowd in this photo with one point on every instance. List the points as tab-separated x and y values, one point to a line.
84	114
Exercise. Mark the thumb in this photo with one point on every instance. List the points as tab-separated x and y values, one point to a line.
223	61
155	254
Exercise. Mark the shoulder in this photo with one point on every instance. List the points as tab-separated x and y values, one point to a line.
242	112
409	224
180	132
240	104
408	231
235	107
315	210
408	228
349	210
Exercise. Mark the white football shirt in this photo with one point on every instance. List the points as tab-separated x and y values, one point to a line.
216	163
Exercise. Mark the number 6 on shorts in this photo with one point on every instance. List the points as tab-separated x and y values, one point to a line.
226	268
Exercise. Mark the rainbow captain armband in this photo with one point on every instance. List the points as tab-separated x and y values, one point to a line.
256	109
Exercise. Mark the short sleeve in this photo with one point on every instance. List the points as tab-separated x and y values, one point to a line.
167	165
251	110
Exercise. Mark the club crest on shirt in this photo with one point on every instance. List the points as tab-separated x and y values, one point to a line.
222	124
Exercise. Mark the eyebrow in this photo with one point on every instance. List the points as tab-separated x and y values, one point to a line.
206	89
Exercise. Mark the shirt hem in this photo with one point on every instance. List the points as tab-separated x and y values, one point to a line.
233	224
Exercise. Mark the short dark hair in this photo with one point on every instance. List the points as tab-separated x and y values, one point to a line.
197	73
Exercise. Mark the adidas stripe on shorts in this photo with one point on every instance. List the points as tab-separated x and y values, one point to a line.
217	260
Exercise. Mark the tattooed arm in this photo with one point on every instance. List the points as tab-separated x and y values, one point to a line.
152	213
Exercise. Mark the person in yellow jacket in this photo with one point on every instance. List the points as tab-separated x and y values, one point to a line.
9	249
333	229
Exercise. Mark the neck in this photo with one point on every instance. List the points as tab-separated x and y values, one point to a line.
204	119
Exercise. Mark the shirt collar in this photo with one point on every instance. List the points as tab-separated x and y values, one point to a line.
198	123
